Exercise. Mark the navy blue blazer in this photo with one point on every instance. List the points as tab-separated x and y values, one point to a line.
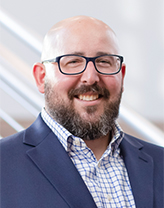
36	172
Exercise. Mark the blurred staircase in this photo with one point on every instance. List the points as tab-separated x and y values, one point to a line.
20	100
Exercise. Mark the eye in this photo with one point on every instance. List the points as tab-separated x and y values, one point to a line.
104	61
74	61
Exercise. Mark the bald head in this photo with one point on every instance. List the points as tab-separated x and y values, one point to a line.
63	36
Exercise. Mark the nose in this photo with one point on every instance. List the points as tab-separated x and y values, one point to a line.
90	75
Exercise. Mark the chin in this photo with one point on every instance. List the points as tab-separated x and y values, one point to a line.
90	116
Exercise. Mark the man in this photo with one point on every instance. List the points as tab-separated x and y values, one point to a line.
75	154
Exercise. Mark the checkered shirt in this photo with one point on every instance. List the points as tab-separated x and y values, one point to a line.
106	179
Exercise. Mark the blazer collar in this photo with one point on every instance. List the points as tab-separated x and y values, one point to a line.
49	156
140	170
36	132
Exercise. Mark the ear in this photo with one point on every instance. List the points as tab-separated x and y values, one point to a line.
39	73
123	70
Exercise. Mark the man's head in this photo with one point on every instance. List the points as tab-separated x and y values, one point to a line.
86	104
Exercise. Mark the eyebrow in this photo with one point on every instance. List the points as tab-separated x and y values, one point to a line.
100	53
78	53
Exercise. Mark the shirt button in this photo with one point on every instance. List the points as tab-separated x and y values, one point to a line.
99	165
77	142
109	197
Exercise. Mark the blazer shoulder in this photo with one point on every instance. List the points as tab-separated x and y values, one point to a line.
32	135
11	140
10	148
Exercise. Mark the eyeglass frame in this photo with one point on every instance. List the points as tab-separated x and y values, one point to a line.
88	59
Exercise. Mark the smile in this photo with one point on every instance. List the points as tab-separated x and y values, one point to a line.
88	97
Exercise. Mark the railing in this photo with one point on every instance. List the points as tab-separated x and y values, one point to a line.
19	31
10	121
144	128
18	90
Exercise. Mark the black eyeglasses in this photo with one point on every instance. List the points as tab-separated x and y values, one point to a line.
71	64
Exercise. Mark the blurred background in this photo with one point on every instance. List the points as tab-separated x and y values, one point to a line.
139	26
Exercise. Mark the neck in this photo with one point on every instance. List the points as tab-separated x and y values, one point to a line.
98	146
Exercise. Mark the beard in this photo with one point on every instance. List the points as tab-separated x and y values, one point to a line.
70	119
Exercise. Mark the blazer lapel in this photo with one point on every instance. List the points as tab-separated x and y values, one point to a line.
52	160
140	171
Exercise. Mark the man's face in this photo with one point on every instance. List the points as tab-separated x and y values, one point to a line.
88	98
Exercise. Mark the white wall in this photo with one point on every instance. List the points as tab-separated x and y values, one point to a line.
139	25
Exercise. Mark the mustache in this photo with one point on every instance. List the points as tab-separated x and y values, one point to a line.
102	91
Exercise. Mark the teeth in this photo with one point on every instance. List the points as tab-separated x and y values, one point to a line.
88	97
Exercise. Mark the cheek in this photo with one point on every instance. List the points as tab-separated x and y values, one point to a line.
62	84
114	84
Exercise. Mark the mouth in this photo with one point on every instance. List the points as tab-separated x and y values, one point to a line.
89	93
88	97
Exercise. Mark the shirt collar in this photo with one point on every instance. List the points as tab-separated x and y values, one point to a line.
61	133
66	138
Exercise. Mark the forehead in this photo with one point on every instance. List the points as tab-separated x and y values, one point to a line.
85	37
